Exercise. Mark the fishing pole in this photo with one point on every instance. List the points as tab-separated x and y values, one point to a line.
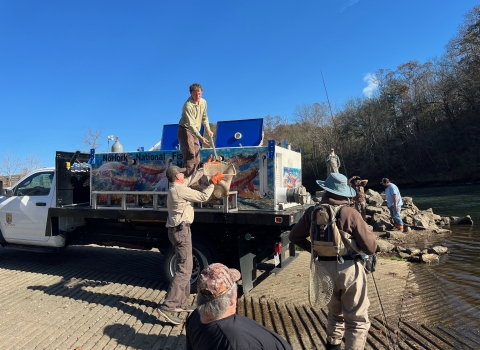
390	341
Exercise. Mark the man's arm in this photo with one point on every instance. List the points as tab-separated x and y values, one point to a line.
205	122
338	161
363	183
394	196
301	231
192	195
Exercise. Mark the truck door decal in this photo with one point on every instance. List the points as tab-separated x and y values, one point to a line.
8	218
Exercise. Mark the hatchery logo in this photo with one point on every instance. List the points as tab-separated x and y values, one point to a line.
8	217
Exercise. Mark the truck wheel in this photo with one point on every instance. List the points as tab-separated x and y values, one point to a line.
201	259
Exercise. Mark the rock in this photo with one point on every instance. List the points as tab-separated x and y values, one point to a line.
466	220
421	221
441	231
403	255
446	220
414	259
430	258
424	251
407	201
379	227
414	251
375	201
440	250
385	246
396	235
370	210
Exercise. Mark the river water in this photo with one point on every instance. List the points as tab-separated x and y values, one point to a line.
450	291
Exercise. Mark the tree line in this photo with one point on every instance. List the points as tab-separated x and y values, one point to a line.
421	125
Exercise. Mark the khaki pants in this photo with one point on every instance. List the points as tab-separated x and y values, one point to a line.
348	308
179	289
190	147
331	169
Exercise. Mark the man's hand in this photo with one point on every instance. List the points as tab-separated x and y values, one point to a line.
204	141
210	133
216	178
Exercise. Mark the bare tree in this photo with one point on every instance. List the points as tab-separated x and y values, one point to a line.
31	163
10	166
91	139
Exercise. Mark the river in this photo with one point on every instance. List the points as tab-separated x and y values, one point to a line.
450	291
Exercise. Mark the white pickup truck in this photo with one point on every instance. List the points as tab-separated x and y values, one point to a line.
52	208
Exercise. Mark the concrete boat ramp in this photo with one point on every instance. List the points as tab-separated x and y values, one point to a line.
105	298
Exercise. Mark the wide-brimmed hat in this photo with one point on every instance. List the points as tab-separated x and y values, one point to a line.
337	184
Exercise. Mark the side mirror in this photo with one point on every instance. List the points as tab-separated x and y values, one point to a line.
8	193
1	188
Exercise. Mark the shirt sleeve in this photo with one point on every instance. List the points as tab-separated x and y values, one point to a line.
192	195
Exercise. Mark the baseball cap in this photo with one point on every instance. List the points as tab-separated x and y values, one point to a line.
216	280
385	181
172	171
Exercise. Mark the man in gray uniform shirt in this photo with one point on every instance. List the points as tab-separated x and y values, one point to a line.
194	114
180	215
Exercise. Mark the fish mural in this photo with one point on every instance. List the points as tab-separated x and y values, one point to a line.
150	169
241	159
244	180
257	174
122	181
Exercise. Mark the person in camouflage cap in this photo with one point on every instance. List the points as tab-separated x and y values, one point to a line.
215	324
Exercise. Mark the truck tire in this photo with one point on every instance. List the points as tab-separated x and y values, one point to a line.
201	259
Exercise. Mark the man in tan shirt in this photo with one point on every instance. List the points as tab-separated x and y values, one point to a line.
180	200
194	114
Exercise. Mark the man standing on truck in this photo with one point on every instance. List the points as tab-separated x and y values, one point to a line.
194	113
332	161
180	215
348	306
216	325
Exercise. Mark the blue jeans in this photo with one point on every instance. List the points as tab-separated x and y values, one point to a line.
395	214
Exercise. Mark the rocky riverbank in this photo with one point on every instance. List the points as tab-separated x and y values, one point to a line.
422	229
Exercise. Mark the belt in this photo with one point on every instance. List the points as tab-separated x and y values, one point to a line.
335	258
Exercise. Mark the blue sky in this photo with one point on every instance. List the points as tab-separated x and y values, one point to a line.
125	66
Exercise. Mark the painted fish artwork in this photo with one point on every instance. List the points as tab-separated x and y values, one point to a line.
292	177
254	181
131	171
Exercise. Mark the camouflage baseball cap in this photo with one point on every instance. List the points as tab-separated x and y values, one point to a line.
216	280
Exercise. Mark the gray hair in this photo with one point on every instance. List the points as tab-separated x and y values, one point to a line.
216	307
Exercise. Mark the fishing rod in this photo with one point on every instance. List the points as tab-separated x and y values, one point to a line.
331	115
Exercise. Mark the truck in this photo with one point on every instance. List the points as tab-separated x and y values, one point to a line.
118	199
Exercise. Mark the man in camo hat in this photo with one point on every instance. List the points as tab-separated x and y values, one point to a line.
215	324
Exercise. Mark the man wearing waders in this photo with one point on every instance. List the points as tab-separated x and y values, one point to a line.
333	162
348	306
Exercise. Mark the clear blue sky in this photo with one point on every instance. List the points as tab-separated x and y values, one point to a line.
125	66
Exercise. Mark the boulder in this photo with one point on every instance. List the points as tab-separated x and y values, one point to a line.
440	250
421	221
385	246
396	235
403	255
375	201
466	220
370	210
416	258
446	220
430	258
